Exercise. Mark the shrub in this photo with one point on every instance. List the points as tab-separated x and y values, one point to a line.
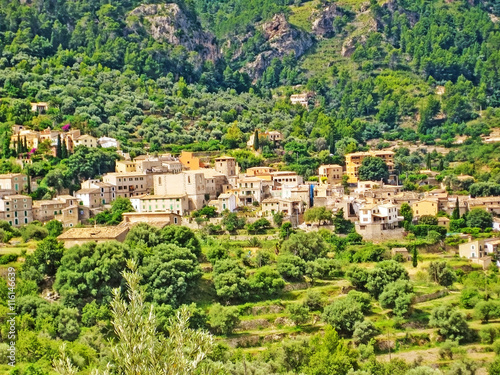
308	246
496	347
447	349
488	334
469	297
486	310
363	299
33	232
291	267
230	280
450	322
298	313
398	296
364	331
313	300
266	281
342	315
7	258
442	274
223	320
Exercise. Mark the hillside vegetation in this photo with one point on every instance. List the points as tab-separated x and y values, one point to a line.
420	77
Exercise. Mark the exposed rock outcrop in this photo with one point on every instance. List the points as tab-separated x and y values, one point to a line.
348	47
323	25
393	6
170	23
282	39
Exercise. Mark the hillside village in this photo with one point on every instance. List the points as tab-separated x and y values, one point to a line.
250	187
167	190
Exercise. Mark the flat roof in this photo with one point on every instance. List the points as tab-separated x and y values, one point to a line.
93	233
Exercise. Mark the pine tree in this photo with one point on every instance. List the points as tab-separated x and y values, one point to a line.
414	256
58	147
256	143
456	211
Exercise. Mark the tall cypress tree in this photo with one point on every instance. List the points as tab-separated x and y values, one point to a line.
429	162
441	164
58	147
64	150
28	189
256	143
456	211
25	145
19	145
6	150
414	256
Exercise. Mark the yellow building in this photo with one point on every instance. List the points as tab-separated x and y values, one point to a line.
86	140
330	174
125	166
354	161
425	207
190	161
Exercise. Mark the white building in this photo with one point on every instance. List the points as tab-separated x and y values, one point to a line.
108	142
175	203
384	214
190	183
251	189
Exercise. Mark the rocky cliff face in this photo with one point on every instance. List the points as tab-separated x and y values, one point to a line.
169	23
323	23
393	6
281	40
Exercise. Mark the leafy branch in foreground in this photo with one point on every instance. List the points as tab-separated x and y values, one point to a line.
140	348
